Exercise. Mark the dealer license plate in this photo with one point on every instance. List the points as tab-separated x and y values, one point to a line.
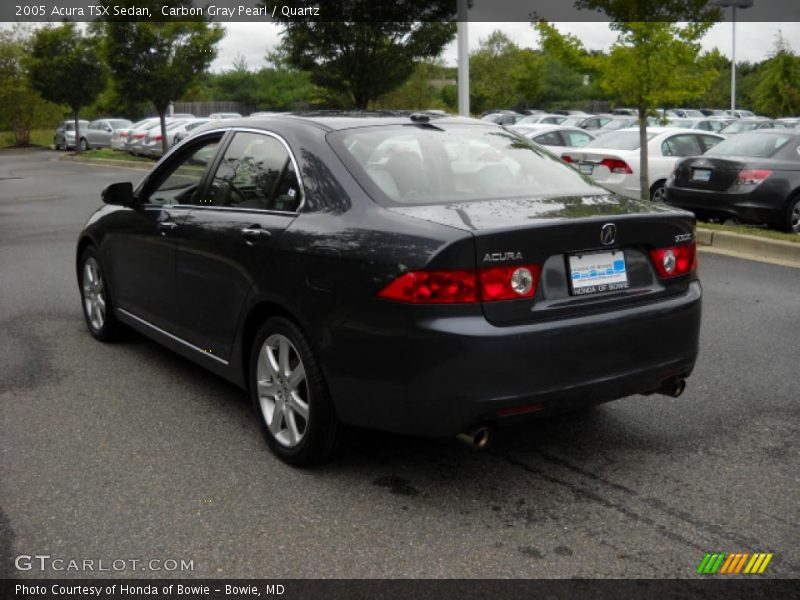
598	272
701	174
586	168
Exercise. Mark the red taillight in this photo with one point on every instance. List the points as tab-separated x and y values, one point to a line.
123	134
566	158
752	176
139	136
508	283
460	287
156	138
433	287
673	261
616	166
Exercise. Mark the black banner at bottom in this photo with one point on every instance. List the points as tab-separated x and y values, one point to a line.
398	589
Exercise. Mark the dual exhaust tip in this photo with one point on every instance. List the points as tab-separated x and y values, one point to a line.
480	437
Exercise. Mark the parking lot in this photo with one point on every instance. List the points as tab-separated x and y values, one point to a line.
128	451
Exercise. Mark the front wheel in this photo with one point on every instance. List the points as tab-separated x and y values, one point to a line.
84	145
792	224
96	301
290	396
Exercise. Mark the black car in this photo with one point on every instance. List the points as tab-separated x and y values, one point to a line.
754	177
430	276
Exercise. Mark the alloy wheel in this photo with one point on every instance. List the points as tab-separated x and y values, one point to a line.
94	298
659	194
794	218
282	389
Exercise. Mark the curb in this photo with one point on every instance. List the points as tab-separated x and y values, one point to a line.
110	162
750	246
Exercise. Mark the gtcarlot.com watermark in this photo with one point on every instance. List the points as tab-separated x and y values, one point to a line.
48	563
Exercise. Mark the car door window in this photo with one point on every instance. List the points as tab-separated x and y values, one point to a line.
548	139
681	145
178	182
576	138
256	171
709	141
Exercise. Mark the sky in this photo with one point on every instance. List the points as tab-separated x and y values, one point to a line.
754	41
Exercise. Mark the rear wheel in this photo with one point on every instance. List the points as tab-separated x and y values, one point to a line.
84	145
290	396
658	192
792	224
96	301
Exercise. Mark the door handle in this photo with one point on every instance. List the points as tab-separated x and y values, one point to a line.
253	234
167	225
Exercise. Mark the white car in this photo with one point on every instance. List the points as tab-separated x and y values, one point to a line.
224	115
613	159
543	118
556	137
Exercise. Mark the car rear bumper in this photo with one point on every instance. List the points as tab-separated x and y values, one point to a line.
440	376
751	205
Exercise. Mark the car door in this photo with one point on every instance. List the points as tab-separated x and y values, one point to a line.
143	242
230	237
102	135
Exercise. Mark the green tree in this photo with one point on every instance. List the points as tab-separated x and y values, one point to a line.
21	107
65	68
778	90
364	59
654	60
159	61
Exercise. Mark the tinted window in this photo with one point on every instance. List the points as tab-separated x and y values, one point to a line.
548	139
760	145
456	163
179	181
681	145
256	172
576	138
709	141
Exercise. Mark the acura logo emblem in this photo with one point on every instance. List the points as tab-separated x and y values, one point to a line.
608	234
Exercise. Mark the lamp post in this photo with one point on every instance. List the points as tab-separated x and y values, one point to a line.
734	4
463	59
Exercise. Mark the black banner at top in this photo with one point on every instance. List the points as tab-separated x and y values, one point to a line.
392	10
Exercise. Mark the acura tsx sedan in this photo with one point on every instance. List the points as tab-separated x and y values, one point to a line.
419	274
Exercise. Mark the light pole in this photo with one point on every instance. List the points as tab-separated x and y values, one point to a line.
463	59
734	4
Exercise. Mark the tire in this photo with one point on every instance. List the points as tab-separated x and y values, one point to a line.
84	145
658	192
304	430
792	224
95	298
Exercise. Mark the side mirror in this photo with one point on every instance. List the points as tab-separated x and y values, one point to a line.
109	129
120	194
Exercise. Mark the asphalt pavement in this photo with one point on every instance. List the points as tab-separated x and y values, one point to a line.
127	451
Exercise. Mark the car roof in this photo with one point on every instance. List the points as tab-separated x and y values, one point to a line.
339	121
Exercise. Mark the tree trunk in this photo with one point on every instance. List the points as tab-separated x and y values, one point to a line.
77	132
162	112
644	172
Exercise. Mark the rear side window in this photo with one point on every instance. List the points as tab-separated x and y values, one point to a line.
549	139
256	171
576	138
619	140
681	145
414	164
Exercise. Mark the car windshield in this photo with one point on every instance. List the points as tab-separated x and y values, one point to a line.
680	123
739	126
692	113
454	163
618	124
619	140
760	145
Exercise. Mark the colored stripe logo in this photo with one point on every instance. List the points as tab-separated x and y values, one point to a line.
734	563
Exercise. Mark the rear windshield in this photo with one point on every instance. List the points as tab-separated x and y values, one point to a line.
738	126
418	164
760	145
119	123
619	124
619	140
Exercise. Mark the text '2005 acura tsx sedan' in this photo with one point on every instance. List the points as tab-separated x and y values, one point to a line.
425	275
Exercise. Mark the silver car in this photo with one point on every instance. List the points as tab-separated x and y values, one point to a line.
136	135
151	144
64	138
185	129
99	132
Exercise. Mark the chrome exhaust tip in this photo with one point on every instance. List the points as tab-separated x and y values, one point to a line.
477	438
674	388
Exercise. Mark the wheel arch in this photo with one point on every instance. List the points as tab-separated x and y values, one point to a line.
83	243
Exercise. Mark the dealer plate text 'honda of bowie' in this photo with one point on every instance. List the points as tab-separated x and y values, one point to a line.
426	275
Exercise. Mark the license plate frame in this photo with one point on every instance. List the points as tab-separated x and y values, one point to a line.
597	272
701	175
586	168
